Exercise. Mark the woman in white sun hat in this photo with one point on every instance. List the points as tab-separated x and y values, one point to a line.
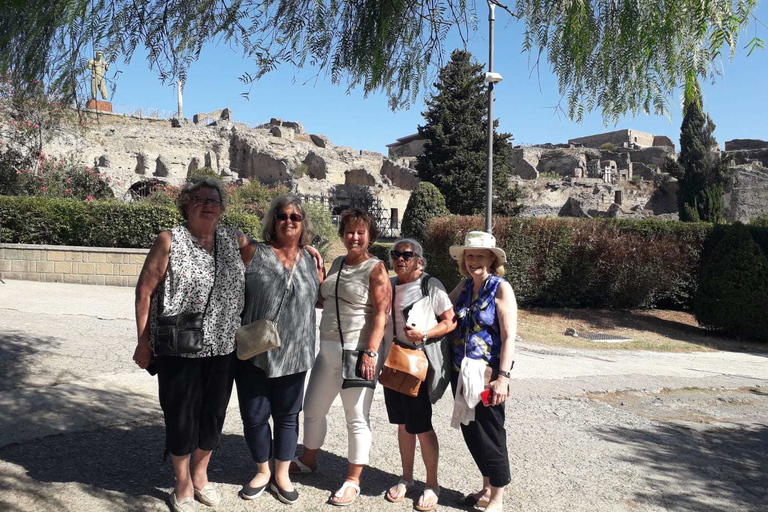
483	356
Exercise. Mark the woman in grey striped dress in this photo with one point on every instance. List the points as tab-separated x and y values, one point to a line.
272	383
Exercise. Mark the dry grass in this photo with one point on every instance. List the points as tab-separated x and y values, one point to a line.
657	330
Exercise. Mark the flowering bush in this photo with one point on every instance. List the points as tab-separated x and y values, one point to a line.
54	178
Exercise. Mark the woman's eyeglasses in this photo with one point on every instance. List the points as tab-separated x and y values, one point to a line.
295	217
406	255
202	201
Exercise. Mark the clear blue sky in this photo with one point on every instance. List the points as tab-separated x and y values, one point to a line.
737	101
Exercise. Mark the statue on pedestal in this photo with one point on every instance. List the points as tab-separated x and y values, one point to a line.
98	67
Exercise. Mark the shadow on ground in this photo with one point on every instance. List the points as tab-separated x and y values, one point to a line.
707	470
597	319
18	354
123	466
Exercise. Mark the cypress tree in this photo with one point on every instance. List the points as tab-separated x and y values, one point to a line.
454	158
704	172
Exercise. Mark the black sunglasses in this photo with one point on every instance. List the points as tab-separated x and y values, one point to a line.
406	255
202	201
295	217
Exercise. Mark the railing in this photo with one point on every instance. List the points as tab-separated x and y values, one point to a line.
143	112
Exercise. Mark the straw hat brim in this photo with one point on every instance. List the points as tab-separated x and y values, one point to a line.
457	250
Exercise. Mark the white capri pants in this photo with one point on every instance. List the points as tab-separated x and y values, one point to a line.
324	385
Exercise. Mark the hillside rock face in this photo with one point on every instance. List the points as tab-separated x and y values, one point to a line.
131	150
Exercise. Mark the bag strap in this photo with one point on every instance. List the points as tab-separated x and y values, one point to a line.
290	278
215	271
336	296
404	343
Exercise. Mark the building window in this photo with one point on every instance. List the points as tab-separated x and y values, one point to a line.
394	221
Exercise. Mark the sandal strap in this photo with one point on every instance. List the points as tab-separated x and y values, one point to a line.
347	483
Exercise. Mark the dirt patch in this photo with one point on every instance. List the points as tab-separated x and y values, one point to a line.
657	330
691	405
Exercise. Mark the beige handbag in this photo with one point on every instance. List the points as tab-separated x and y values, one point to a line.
260	336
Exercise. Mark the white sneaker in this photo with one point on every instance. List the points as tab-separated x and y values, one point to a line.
183	505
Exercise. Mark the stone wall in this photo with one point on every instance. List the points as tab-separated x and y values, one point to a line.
747	196
618	138
66	264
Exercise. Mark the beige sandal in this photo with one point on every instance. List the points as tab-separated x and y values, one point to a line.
427	495
402	486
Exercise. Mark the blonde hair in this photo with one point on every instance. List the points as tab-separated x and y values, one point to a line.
495	269
268	231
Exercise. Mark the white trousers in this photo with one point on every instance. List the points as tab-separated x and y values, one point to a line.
324	385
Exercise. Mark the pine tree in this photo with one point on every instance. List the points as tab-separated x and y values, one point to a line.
704	172
454	158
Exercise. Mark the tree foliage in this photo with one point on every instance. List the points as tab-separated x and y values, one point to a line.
616	56
702	172
456	128
733	293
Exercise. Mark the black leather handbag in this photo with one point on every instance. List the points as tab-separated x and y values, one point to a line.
351	360
183	333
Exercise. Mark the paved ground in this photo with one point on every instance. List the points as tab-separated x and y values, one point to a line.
80	427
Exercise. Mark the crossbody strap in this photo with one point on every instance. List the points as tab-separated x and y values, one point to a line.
336	296
215	271
287	287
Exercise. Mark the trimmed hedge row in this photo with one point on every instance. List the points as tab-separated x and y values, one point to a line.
584	263
34	220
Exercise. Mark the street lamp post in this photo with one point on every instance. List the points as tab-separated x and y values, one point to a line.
491	78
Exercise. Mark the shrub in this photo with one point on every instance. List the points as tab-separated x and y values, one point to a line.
253	197
609	146
204	172
381	251
53	178
425	203
583	263
733	294
323	226
31	220
760	220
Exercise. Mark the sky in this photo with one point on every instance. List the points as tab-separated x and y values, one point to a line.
737	102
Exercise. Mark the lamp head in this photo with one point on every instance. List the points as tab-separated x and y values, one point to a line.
493	78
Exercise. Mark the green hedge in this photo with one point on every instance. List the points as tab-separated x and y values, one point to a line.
584	263
34	220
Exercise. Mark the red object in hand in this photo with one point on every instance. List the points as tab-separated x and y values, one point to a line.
485	396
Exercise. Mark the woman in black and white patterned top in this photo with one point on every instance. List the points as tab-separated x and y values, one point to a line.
179	276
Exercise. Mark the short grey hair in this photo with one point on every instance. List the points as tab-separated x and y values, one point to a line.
417	248
268	232
193	185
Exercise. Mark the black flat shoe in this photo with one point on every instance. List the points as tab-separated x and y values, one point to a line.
251	493
470	501
287	497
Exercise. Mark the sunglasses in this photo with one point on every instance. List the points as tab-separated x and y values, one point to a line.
202	201
406	255
295	217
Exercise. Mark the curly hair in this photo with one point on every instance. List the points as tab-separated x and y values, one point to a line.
193	185
354	215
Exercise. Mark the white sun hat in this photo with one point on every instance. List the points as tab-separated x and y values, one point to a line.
479	240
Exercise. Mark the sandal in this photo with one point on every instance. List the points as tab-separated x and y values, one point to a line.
298	467
340	494
427	495
402	483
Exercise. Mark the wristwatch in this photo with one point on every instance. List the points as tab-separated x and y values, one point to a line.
425	337
505	374
371	353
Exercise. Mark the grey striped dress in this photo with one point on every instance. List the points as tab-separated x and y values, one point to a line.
265	281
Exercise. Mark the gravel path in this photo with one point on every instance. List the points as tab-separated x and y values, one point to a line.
81	429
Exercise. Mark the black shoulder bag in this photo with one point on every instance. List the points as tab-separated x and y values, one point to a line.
183	334
351	360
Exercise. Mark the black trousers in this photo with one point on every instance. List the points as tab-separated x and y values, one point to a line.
194	394
261	397
486	439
